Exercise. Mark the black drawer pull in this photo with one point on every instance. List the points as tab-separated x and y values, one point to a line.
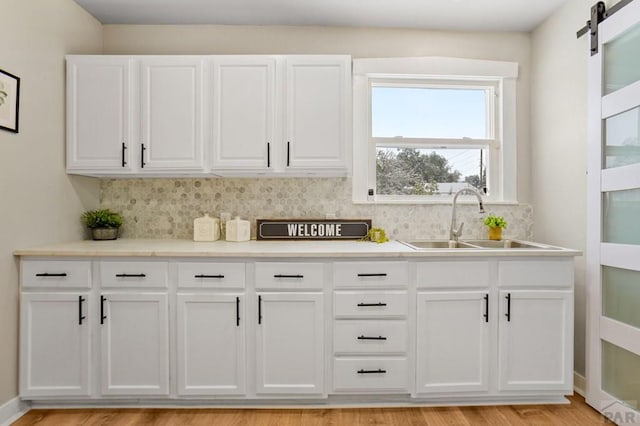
371	338
124	160
208	276
259	309
80	316
102	315
237	311
508	314
47	274
373	275
130	275
378	371
372	304
486	308
288	276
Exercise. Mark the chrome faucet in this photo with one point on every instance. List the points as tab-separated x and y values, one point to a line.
455	233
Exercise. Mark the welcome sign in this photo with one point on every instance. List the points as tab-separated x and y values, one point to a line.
312	229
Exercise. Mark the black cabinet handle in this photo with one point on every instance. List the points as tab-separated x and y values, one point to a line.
102	315
80	316
486	308
259	309
372	304
237	311
288	153
378	371
124	148
288	276
208	276
508	314
371	338
268	155
372	275
142	150
130	275
47	274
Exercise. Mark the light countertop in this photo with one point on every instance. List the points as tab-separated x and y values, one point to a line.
265	249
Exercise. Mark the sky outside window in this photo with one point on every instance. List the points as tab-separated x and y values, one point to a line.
428	112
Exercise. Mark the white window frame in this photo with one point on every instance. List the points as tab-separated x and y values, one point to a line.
439	72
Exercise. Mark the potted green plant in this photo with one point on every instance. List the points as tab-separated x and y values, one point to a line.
495	224
104	223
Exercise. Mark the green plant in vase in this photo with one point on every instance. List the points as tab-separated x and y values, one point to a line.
495	224
104	223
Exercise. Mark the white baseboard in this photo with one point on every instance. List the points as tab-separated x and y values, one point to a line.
12	410
579	384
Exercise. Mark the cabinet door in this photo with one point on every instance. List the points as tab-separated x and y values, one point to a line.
98	114
54	346
317	111
135	339
211	344
171	114
452	342
536	340
290	355
243	113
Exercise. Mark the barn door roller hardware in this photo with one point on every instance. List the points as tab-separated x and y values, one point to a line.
599	13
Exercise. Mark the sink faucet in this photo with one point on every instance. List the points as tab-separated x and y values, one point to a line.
455	233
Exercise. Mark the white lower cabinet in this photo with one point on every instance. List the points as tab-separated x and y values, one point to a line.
134	343
289	349
364	374
211	344
454	330
452	341
54	344
536	340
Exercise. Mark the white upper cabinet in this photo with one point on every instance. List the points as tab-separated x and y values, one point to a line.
171	113
238	115
317	111
99	110
243	111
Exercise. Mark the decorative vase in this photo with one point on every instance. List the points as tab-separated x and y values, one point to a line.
495	233
100	234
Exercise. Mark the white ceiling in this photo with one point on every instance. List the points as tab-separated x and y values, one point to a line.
458	15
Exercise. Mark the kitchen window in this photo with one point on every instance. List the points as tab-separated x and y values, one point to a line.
420	137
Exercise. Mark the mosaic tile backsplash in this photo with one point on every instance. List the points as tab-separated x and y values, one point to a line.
165	208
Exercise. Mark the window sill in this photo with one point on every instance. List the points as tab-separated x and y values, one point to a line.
446	202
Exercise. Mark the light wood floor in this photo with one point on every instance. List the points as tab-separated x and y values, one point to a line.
576	413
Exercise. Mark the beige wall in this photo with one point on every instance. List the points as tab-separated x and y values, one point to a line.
39	203
559	142
358	42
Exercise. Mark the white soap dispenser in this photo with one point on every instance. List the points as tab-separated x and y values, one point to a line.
238	230
206	228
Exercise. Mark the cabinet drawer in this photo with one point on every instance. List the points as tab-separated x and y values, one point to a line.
553	273
370	304
356	274
280	275
370	374
454	273
370	337
133	274
211	275
56	273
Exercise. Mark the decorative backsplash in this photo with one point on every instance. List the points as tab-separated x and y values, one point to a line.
165	208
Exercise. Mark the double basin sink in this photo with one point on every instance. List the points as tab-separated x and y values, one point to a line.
476	245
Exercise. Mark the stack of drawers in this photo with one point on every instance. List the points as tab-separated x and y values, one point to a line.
370	308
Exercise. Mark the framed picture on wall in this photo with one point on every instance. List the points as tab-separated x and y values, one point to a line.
9	101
